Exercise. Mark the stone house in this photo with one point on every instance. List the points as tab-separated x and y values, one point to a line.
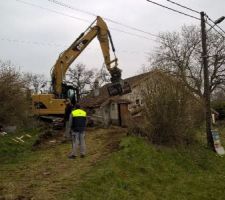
116	110
136	97
106	110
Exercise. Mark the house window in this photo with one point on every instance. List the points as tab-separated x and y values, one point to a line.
137	101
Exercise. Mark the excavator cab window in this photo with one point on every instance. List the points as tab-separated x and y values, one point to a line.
72	96
70	92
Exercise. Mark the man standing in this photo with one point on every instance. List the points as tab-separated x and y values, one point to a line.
78	124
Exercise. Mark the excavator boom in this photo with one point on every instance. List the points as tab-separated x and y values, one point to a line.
67	57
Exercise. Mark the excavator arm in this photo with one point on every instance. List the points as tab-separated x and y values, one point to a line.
68	56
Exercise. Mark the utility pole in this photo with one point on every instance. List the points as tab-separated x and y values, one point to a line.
206	84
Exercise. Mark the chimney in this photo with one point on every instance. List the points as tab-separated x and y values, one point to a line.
96	88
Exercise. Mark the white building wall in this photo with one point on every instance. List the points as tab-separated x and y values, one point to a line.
136	97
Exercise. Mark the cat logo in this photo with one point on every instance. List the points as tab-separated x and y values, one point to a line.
80	46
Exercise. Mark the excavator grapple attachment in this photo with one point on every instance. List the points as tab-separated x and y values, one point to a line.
119	88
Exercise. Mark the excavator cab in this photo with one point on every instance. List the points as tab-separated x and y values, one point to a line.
70	92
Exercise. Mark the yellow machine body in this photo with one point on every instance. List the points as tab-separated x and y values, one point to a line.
46	104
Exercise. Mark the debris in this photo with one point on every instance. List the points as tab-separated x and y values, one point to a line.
3	133
46	173
28	135
20	139
15	140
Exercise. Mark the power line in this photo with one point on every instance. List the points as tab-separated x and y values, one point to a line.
177	11
107	19
220	28
51	10
212	27
81	19
215	24
54	45
70	7
31	42
130	27
115	29
184	6
199	13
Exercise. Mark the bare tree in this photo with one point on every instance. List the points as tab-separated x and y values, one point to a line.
179	53
35	82
219	95
81	78
101	77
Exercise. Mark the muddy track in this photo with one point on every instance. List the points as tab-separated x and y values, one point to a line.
50	173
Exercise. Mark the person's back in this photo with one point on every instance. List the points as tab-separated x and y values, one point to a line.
78	120
78	124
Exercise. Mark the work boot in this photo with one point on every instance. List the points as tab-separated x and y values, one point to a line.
72	157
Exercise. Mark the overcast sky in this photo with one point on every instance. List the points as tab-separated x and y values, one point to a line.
32	37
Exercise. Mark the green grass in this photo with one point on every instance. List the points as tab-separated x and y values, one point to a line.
47	173
138	170
11	151
141	171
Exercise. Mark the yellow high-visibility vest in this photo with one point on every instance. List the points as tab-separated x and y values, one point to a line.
79	113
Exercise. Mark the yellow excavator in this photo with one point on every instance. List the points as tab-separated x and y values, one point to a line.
54	102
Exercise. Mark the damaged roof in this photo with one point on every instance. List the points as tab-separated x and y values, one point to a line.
93	101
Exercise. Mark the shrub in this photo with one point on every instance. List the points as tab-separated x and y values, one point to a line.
171	112
13	96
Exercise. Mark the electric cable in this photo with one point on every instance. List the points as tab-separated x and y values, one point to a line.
70	7
31	42
81	19
177	11
53	44
198	13
215	24
107	19
184	6
213	27
115	29
51	10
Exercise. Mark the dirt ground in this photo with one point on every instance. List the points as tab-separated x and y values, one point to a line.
49	173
